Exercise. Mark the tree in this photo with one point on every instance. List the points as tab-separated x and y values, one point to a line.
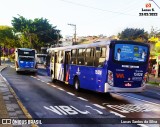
154	41
133	34
8	39
36	33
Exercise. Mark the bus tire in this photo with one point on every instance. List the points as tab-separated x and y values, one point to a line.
34	73
76	84
108	94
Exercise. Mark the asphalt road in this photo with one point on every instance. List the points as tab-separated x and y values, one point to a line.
64	105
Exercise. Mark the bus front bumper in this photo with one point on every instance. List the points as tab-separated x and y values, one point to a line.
109	88
26	69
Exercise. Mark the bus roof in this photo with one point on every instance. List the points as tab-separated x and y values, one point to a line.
26	49
101	43
97	43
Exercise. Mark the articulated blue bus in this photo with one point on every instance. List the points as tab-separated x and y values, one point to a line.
25	60
108	66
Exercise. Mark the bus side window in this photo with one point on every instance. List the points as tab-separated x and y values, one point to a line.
74	56
103	52
89	57
80	57
60	56
51	57
100	56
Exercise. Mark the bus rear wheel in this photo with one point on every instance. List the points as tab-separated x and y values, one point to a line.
76	84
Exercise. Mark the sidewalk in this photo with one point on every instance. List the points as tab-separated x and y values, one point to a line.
153	79
9	107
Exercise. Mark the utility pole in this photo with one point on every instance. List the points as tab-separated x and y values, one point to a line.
74	33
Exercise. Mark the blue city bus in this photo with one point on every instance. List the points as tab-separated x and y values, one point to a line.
25	60
107	66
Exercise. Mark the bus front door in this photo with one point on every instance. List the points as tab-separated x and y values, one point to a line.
66	65
55	65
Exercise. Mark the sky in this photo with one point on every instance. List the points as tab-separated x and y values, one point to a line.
91	17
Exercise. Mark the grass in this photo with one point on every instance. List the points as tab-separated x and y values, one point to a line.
154	83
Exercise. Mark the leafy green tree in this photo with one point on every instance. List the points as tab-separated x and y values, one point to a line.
154	40
133	34
7	37
36	33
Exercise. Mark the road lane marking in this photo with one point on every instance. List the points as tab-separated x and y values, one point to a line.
99	106
42	81
66	110
82	98
61	89
117	114
71	93
38	79
48	83
142	125
129	108
138	99
33	77
53	86
99	112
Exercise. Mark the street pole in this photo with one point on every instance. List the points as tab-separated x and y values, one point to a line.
75	29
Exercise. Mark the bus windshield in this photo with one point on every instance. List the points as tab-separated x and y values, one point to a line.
130	53
26	53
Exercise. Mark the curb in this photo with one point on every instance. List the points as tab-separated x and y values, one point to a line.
25	111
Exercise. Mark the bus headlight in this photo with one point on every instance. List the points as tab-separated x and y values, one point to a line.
110	77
